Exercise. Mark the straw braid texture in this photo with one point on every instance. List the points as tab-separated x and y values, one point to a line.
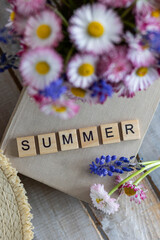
15	216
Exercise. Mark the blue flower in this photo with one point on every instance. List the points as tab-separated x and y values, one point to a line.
6	36
102	90
152	39
108	165
54	90
7	62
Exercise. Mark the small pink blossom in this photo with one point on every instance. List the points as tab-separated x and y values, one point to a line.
136	193
116	66
101	199
148	20
26	8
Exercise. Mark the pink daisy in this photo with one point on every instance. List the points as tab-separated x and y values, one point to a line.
62	108
26	8
117	3
141	78
139	53
117	66
43	30
40	66
136	193
101	199
148	20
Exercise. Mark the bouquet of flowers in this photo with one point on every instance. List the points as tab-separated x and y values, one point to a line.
85	50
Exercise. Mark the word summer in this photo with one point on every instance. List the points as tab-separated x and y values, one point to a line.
78	138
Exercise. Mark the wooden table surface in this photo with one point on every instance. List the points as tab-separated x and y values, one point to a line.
59	216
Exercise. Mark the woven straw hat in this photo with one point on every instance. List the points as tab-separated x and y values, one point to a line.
15	216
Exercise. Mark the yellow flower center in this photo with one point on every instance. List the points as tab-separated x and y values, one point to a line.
141	72
44	31
12	16
42	68
156	13
95	29
129	191
98	200
78	92
86	70
59	109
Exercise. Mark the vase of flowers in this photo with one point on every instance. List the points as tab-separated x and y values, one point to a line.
85	50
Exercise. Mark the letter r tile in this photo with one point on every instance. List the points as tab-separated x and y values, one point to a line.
89	137
47	143
26	146
68	139
130	130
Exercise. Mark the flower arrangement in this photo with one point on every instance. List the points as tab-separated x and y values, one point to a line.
133	189
84	50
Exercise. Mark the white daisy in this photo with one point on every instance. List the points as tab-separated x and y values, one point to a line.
40	66
101	199
139	53
11	17
93	28
62	108
141	78
81	70
80	94
43	30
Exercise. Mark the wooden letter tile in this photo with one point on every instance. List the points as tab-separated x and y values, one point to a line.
130	130
89	137
26	146
110	133
47	143
68	140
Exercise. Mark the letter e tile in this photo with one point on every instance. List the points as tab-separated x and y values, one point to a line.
110	133
26	146
130	130
89	137
68	139
47	143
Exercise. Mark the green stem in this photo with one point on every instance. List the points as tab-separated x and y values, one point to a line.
62	17
69	55
149	162
145	174
131	176
125	13
67	4
129	24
